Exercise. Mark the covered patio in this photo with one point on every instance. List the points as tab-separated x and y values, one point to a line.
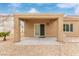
53	27
38	41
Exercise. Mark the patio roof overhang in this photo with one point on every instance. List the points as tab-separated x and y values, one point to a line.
39	17
48	16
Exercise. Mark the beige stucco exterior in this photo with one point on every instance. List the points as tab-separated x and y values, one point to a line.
50	28
75	21
53	25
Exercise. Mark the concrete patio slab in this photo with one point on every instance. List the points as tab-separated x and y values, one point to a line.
38	41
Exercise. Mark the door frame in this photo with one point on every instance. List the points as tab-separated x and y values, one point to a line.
34	29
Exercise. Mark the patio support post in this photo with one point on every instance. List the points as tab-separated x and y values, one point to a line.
16	29
25	25
60	29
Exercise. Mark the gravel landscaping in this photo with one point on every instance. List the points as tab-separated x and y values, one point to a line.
9	48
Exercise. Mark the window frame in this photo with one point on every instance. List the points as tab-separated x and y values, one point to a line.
68	27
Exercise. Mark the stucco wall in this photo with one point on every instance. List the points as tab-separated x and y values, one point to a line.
50	29
28	29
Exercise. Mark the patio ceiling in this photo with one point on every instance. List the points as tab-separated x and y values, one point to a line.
39	20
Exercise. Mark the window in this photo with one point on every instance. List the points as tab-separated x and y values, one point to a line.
71	27
68	27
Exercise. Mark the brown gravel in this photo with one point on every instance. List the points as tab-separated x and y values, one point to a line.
9	48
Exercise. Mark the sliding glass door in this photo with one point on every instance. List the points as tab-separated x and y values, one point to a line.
39	30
